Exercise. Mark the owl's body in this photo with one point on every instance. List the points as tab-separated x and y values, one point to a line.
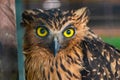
58	45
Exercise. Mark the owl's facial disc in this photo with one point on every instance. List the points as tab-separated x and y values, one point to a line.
55	40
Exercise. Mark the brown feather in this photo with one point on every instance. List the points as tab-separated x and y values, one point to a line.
83	57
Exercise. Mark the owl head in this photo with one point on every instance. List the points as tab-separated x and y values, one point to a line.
54	30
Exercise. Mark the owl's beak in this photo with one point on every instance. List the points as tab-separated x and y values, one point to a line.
55	46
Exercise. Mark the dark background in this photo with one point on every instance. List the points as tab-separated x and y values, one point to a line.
103	13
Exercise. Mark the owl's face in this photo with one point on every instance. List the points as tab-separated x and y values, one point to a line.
55	39
54	29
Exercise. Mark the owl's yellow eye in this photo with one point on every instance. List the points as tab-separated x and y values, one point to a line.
69	32
42	32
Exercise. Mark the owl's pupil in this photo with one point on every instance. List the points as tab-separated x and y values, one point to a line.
42	31
68	32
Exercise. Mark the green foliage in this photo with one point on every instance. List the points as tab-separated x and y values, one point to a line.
115	41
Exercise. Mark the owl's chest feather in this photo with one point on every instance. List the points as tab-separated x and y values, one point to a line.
66	67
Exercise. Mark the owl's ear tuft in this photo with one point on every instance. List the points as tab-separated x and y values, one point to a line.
82	14
27	17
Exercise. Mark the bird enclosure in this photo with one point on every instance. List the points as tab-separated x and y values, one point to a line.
104	20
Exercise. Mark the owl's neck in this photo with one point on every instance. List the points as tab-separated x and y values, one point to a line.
46	67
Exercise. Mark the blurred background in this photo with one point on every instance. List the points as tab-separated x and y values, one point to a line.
8	42
104	20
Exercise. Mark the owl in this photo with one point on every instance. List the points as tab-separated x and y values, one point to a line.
58	45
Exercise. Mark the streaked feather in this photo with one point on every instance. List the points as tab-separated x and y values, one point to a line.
83	57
